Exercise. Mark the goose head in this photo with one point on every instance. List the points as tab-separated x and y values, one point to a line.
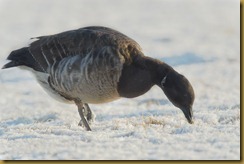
180	92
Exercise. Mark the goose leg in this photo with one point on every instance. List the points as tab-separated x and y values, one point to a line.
81	111
88	113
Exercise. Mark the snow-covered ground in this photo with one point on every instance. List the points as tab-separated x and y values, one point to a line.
200	39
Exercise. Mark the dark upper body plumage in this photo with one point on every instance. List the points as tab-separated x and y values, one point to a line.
99	64
81	42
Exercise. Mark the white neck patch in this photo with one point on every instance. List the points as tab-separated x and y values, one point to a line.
163	81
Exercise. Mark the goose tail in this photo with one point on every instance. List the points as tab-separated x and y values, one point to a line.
21	57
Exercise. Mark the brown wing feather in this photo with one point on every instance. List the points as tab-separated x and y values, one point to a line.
49	49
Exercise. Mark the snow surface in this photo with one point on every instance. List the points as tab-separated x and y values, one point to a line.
200	39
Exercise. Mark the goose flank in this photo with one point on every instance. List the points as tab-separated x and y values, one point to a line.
99	65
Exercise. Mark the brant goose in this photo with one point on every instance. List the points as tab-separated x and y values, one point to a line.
98	65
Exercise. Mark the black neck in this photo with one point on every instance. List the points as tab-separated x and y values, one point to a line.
139	76
157	68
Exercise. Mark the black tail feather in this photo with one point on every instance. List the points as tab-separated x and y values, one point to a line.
10	64
21	57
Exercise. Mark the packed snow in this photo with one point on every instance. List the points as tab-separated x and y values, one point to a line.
200	39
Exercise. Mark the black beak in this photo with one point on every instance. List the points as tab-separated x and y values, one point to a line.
188	114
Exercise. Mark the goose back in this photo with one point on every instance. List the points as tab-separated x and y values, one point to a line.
46	50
